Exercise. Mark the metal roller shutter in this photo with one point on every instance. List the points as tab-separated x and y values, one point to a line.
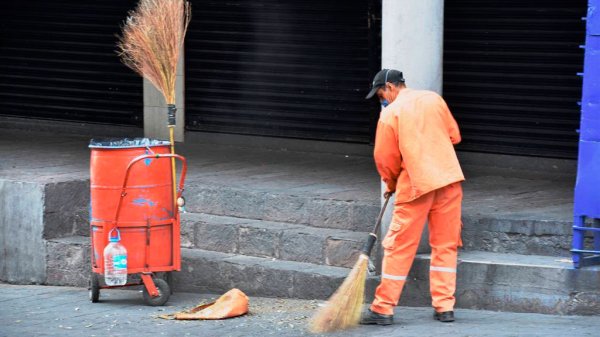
58	61
282	68
510	74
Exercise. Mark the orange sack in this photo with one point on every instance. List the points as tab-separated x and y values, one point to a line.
232	304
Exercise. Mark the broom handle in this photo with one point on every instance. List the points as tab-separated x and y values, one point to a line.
171	124
368	247
173	171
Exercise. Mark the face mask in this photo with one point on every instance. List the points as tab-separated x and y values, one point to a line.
384	103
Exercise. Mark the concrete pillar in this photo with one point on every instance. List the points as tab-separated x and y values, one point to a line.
412	42
155	108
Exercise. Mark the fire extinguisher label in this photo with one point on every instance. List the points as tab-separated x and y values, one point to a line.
120	261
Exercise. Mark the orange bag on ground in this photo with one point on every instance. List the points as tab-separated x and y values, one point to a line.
232	304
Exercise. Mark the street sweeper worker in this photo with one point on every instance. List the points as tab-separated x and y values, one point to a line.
414	154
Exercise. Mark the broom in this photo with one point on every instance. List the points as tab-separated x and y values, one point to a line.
151	43
342	310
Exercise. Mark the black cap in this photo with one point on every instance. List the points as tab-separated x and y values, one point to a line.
382	77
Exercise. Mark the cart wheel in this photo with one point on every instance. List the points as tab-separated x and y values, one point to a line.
164	291
94	288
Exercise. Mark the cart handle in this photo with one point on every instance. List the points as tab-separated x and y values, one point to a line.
152	156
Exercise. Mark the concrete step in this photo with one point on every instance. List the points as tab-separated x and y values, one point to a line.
206	271
214	272
63	211
46	208
282	241
491	281
513	282
282	206
68	261
503	233
511	234
32	210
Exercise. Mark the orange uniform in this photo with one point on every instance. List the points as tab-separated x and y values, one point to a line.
415	157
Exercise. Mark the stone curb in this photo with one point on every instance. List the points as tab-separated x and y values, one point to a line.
292	242
68	261
491	281
512	282
316	212
207	271
526	237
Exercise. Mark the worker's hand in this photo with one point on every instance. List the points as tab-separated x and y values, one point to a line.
387	194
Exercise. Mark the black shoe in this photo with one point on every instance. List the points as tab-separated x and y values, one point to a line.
371	317
446	316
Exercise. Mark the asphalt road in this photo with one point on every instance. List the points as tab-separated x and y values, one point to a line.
66	311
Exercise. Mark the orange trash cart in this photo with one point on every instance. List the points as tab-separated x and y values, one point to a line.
131	188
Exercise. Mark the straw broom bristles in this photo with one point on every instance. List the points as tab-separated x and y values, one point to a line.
343	309
152	39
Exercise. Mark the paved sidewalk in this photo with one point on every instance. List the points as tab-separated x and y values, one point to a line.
65	311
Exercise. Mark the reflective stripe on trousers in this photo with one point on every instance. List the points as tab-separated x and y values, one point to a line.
393	277
447	270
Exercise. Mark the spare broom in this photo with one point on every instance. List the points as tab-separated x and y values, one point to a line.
343	309
151	44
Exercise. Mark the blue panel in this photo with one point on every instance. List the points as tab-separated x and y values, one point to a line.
591	72
590	128
592	42
590	110
587	187
593	17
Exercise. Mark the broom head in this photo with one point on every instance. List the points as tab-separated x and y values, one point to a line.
152	40
343	309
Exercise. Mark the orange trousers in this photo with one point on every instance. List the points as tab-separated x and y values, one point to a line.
442	208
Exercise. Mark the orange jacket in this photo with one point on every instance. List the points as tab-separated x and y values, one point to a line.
414	150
